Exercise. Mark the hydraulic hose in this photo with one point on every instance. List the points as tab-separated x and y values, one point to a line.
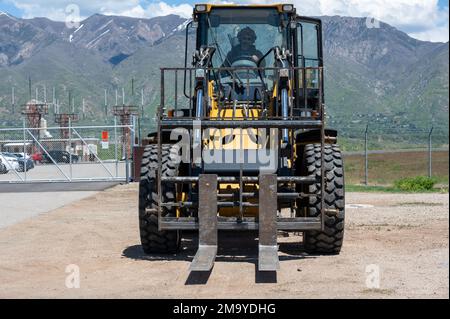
284	113
198	116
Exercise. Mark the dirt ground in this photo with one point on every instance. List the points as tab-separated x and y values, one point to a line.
404	236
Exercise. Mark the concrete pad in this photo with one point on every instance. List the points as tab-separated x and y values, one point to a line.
16	207
40	187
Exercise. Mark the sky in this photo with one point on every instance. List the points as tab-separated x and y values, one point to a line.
422	19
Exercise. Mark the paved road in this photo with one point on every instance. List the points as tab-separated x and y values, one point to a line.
55	186
16	207
21	201
64	171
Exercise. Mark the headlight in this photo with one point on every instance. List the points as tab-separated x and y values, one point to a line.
200	73
200	8
288	7
284	73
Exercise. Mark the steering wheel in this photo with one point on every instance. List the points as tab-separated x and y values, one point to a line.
245	62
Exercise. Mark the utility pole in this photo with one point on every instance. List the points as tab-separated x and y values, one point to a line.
429	152
29	88
366	156
70	100
83	109
142	103
141	117
106	104
13	102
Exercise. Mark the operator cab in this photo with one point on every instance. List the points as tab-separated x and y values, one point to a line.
247	38
243	39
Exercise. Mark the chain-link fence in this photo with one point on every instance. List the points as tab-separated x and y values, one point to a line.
373	156
67	153
376	155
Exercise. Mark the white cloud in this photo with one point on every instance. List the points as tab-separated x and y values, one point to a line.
136	12
422	19
154	9
56	9
437	34
162	9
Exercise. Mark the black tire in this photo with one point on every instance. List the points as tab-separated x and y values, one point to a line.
153	240
330	240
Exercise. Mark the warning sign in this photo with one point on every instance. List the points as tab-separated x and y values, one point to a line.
105	136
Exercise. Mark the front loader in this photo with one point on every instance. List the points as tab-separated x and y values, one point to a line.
241	142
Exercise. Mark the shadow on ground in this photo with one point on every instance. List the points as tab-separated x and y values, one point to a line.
232	247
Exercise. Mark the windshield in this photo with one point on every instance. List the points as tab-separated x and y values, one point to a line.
242	37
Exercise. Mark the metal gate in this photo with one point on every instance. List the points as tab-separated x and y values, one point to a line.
66	154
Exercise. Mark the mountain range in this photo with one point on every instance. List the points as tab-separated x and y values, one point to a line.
379	76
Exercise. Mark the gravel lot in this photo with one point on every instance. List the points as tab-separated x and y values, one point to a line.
404	235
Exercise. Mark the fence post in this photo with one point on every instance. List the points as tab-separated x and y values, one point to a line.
70	147
139	131
125	151
24	150
115	146
127	169
133	118
429	152
366	156
133	144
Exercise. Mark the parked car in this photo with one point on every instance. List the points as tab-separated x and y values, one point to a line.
11	162
24	158
23	162
27	156
59	157
3	168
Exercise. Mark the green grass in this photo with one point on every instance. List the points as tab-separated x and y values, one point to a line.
415	184
108	154
371	189
385	169
420	204
389	189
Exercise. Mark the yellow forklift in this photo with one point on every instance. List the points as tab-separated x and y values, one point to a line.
241	142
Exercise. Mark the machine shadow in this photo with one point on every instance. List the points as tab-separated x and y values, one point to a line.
232	247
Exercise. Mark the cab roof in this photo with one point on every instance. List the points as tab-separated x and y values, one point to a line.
206	8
